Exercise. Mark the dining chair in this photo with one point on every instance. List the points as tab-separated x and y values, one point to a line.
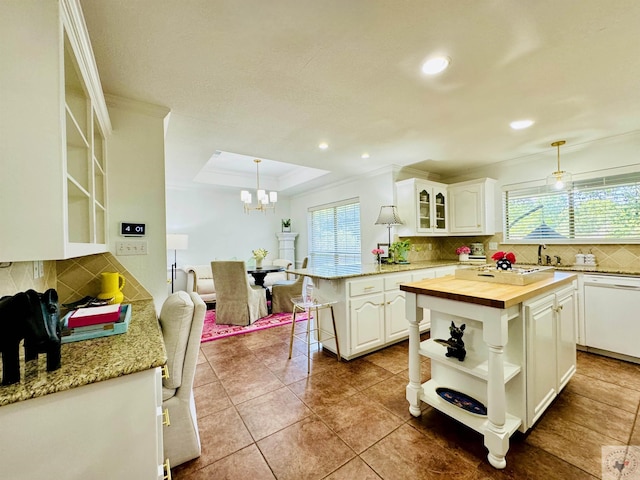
283	291
237	302
314	333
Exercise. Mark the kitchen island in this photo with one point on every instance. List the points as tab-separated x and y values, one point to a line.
520	344
98	416
368	303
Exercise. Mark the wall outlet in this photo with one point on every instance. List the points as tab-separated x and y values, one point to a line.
493	245
131	247
41	268
429	246
36	269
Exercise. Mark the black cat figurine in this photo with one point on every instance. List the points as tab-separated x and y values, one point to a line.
455	345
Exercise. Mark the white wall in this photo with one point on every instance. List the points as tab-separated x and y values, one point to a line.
217	226
136	188
373	190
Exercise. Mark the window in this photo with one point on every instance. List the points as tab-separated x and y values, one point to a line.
335	233
598	209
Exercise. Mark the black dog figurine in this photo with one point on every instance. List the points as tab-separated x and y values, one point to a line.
455	345
34	317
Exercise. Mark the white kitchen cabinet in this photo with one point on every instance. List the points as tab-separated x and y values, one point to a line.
423	206
395	320
551	340
54	124
471	207
104	430
366	314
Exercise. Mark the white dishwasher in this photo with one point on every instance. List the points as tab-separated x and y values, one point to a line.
612	313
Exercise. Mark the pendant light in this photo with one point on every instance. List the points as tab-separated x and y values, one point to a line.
559	179
264	201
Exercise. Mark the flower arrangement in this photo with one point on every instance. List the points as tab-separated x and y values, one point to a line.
463	250
504	260
259	253
377	251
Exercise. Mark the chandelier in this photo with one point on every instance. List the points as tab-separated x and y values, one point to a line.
559	179
264	201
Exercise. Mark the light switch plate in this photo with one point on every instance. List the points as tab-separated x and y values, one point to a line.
493	245
131	247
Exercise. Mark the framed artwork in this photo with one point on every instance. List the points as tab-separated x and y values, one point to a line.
385	247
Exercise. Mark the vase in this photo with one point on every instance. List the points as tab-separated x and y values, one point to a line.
258	262
463	257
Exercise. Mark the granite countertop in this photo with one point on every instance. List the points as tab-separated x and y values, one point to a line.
496	295
336	272
90	361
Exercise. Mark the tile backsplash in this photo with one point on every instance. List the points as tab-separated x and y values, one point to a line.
73	278
623	256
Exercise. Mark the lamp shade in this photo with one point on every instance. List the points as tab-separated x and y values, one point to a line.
389	216
177	241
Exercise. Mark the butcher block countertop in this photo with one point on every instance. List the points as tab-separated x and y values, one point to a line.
495	295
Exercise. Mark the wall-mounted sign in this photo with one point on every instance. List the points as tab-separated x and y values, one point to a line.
132	229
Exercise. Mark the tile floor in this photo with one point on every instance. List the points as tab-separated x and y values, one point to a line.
262	417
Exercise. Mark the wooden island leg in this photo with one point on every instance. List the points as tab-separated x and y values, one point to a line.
496	436
414	388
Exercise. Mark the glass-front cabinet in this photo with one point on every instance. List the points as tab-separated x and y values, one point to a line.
422	205
54	144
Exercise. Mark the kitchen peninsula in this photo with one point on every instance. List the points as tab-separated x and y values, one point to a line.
520	344
98	416
369	305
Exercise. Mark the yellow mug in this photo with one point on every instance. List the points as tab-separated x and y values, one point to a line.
112	285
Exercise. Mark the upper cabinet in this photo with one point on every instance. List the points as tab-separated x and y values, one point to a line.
471	207
422	206
54	127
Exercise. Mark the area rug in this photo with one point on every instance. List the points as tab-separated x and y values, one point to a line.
212	331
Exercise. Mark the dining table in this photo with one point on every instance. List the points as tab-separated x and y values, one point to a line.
259	273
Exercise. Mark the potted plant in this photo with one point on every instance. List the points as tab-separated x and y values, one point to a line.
259	255
400	250
463	253
286	224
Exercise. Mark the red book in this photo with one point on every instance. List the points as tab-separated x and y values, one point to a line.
94	315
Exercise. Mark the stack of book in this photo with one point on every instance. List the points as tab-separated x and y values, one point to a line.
93	322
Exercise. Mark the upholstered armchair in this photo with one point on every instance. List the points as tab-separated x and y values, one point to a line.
181	320
283	291
200	280
237	302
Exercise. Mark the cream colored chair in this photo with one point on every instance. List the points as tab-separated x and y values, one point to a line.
181	320
200	280
282	292
237	302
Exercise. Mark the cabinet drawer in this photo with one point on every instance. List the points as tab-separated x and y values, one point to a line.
393	282
366	286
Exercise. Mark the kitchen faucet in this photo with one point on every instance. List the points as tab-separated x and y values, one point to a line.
540	247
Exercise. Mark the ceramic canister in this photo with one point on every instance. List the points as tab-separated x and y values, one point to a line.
111	287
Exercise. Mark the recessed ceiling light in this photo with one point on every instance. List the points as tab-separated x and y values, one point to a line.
365	155
435	65
521	124
323	146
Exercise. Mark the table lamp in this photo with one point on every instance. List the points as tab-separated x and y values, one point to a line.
389	216
176	242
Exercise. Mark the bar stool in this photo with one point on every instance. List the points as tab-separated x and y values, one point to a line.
307	303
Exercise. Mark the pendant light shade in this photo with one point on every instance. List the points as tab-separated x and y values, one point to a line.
559	179
264	201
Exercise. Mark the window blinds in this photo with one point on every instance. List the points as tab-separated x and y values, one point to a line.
602	208
335	233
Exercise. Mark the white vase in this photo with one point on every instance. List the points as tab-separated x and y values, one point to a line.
463	257
258	262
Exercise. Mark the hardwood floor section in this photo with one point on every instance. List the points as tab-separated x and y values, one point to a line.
262	417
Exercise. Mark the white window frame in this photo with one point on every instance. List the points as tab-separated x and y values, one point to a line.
333	256
580	182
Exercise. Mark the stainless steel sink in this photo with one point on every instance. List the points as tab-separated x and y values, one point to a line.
519	275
